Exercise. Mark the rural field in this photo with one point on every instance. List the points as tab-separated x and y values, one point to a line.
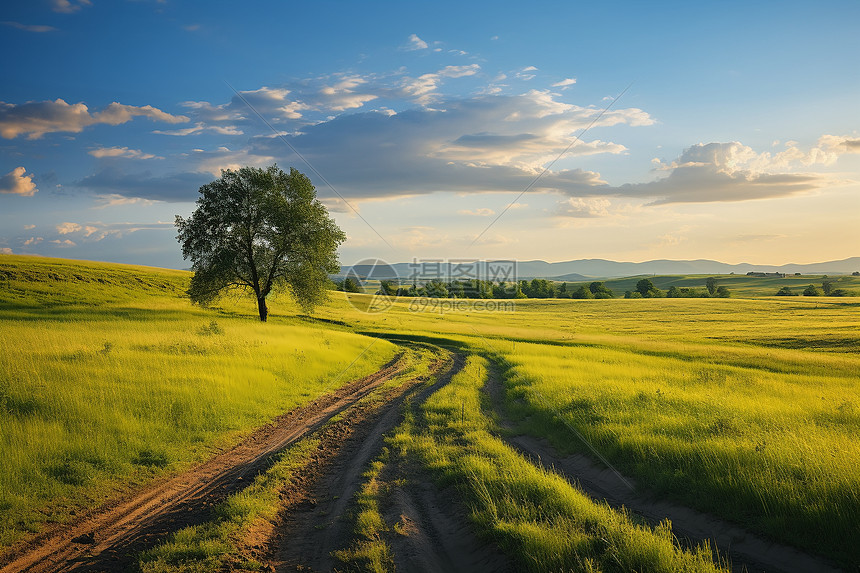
139	432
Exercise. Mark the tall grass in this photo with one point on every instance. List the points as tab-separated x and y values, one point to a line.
108	375
764	445
542	521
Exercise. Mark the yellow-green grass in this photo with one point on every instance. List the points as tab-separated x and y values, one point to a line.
775	450
369	551
539	518
205	547
109	376
738	285
757	417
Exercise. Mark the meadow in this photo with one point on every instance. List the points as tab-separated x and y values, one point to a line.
748	408
109	377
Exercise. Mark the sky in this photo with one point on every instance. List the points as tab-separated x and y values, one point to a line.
628	131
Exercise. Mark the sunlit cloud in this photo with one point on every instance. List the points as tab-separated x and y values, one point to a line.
481	212
735	172
102	152
18	182
35	119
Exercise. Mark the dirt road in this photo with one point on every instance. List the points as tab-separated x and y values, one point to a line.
105	539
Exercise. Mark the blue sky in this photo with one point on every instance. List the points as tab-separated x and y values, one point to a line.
737	138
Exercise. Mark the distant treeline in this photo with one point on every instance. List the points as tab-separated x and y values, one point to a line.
535	288
827	289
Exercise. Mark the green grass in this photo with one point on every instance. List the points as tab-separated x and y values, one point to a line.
108	376
369	551
542	521
746	407
776	451
738	285
205	547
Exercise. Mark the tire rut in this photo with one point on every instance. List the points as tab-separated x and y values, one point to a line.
748	551
438	535
106	539
314	521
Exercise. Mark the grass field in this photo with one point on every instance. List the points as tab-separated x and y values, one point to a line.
745	407
109	376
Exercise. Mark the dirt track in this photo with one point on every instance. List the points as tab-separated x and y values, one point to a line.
316	520
747	551
105	539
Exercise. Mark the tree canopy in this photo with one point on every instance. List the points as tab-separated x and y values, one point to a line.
260	229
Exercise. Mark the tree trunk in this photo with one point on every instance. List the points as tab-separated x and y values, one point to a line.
261	306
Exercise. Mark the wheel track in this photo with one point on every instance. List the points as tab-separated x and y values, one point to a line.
122	528
749	552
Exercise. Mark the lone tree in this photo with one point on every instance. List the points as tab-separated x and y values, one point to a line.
260	229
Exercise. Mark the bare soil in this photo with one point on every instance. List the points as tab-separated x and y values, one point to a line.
107	538
746	551
316	517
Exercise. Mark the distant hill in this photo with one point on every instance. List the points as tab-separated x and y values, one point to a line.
583	269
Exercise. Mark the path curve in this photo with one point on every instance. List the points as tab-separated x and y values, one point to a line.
105	538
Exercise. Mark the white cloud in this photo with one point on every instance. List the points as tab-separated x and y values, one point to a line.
6	251
33	241
459	71
526	74
38	29
343	95
68	228
480	212
564	83
102	152
735	172
35	119
583	207
415	43
68	6
28	227
423	89
63	243
200	127
17	182
98	231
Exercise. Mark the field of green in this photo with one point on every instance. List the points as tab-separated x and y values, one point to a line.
748	408
739	285
108	377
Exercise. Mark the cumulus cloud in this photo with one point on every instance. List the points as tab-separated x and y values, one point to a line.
709	172
583	207
63	243
6	251
38	29
35	119
480	212
564	83
483	143
98	231
18	182
33	241
68	228
102	152
415	43
201	127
